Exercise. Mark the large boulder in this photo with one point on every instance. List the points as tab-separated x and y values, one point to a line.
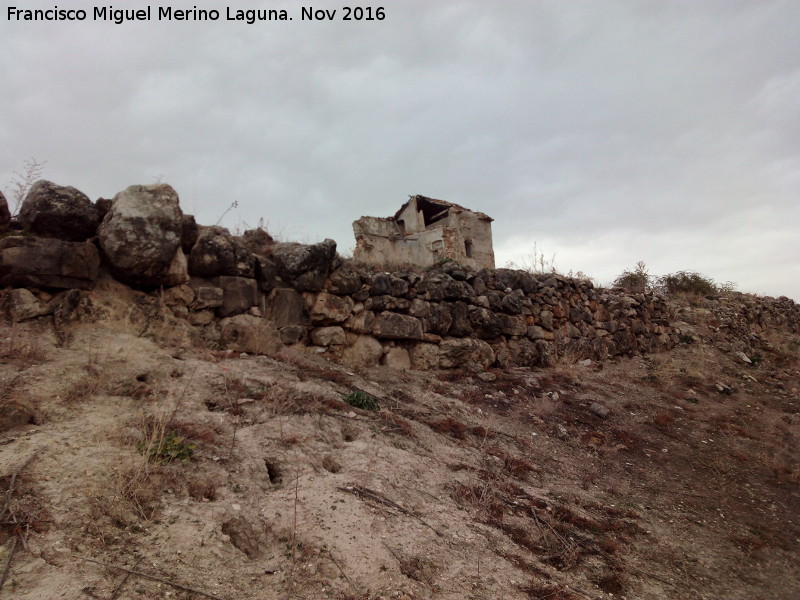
20	305
361	322
328	336
15	413
393	326
397	358
425	357
386	284
239	294
345	280
364	351
286	307
436	318
47	263
189	232
460	324
217	252
459	352
513	279
57	211
305	268
266	273
485	323
331	310
258	241
141	237
246	333
5	214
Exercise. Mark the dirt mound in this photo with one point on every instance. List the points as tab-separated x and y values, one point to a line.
148	468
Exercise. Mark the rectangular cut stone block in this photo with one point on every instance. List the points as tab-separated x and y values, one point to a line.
48	263
328	336
287	307
238	294
329	309
207	296
394	326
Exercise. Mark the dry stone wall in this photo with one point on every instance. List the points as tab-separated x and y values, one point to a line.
249	293
451	316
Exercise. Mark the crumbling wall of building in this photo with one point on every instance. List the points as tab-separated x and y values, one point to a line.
425	232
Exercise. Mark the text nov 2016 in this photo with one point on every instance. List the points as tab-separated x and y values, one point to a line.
119	16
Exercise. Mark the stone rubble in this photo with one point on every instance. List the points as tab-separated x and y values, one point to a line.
238	291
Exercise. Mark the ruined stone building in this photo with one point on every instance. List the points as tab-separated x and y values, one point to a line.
425	232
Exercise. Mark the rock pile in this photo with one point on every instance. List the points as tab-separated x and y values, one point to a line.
250	293
451	316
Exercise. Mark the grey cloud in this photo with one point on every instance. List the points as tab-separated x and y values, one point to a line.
608	131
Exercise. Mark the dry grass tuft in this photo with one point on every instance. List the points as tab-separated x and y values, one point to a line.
397	424
20	350
548	591
449	426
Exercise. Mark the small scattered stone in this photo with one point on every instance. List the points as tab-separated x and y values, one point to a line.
598	409
724	389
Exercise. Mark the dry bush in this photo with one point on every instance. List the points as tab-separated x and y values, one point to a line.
543	405
202	487
548	591
21	350
136	484
663	420
130	496
22	509
452	376
138	390
334	403
331	375
397	424
80	390
449	426
690	284
514	466
481	432
609	545
442	390
612	583
636	281
781	465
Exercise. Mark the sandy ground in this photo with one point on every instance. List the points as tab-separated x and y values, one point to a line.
154	471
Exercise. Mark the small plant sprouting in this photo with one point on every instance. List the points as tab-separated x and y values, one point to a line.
169	448
362	400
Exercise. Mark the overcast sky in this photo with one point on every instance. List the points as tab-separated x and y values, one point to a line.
603	132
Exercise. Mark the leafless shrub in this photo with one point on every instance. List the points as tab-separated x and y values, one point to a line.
21	184
397	424
449	426
20	350
548	591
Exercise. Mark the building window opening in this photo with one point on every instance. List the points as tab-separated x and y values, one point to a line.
468	248
431	211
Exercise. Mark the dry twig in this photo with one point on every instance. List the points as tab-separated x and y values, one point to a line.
118	589
367	494
7	566
177	586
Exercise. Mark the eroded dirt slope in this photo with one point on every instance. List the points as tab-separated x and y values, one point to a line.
207	474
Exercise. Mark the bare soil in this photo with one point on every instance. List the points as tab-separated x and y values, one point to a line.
159	471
